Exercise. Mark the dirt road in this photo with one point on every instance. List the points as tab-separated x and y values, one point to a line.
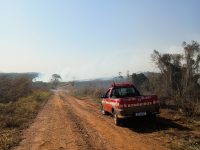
68	123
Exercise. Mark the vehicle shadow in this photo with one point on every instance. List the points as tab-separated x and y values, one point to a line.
149	125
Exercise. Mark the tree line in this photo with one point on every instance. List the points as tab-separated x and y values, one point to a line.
178	78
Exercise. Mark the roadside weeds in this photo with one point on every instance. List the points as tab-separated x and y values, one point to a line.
16	116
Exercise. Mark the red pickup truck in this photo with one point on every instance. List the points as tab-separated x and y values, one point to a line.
124	100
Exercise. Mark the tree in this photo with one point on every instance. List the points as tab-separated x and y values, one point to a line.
138	79
55	79
180	75
192	61
191	72
170	68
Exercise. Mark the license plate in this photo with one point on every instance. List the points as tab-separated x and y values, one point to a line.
141	114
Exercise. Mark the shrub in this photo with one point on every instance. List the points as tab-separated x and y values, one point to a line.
13	89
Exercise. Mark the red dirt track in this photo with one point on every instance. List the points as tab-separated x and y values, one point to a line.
69	123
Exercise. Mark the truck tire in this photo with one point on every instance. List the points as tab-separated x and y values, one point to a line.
116	119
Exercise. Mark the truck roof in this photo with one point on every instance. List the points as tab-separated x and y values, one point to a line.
122	85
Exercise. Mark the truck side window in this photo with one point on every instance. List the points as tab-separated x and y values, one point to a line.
107	94
115	93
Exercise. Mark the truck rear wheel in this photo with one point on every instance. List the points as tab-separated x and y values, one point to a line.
116	119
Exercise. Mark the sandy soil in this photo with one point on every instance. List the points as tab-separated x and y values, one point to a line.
69	123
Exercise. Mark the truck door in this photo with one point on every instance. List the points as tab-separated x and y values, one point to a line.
106	100
113	96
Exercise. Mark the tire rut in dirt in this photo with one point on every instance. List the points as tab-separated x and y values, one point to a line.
94	111
113	136
90	139
88	107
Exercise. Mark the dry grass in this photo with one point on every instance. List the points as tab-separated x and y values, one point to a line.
181	140
184	134
15	116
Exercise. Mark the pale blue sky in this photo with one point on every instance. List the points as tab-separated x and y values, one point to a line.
92	38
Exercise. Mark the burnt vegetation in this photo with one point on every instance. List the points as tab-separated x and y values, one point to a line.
177	82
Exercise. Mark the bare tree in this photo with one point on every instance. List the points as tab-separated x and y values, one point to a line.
192	60
180	75
170	68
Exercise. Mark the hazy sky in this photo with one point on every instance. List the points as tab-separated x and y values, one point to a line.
92	38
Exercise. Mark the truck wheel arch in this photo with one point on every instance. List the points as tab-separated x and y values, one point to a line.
113	110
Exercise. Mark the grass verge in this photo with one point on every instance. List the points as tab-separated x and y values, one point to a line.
16	116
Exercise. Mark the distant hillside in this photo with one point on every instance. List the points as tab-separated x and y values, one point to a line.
30	75
100	83
137	79
93	83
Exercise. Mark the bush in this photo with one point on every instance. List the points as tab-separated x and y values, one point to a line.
13	89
